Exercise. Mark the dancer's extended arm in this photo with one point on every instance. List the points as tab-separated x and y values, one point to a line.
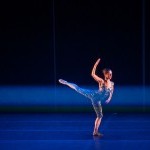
96	78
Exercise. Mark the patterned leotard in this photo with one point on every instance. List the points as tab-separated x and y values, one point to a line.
96	97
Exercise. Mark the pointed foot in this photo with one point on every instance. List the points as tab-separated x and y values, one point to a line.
98	134
62	81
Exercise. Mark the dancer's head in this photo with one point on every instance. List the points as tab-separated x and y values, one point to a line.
107	73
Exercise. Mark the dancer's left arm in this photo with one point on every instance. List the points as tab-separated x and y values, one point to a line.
96	78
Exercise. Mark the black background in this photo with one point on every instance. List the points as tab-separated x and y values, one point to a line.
80	32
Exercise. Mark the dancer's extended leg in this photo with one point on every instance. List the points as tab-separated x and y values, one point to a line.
71	85
82	91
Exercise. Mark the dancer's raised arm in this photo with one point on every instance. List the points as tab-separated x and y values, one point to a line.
96	78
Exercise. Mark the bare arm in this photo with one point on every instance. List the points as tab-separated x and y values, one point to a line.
96	78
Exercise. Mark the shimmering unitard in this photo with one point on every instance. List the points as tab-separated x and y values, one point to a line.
96	96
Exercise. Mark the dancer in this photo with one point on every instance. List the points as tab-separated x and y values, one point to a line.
104	93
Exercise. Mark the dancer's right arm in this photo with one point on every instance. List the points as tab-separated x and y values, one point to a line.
96	78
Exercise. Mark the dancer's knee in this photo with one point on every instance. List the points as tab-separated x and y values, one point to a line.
75	87
98	110
99	115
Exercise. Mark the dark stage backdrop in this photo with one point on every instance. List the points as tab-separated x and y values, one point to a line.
84	31
42	41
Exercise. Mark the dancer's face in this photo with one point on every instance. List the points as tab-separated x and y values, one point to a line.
108	75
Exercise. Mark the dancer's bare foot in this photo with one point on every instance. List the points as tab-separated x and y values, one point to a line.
62	81
97	134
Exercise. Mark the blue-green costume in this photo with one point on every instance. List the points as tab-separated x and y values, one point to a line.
96	96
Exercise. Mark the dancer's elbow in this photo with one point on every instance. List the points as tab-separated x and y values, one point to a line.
92	74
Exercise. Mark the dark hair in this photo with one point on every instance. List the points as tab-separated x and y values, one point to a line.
106	70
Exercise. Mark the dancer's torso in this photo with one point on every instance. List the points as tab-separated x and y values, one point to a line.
104	92
106	85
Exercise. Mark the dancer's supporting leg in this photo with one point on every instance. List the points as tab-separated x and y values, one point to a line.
98	109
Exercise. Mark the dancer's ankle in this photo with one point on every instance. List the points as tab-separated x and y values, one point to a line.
95	131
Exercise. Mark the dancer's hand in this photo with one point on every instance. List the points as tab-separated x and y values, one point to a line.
107	101
97	62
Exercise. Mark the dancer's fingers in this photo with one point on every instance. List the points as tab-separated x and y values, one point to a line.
98	61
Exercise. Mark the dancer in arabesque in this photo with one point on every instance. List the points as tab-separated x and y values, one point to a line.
104	93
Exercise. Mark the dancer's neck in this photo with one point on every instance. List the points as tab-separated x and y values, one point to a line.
107	80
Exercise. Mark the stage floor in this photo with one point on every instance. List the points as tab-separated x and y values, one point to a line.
74	132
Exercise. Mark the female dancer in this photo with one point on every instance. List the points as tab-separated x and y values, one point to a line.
104	93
